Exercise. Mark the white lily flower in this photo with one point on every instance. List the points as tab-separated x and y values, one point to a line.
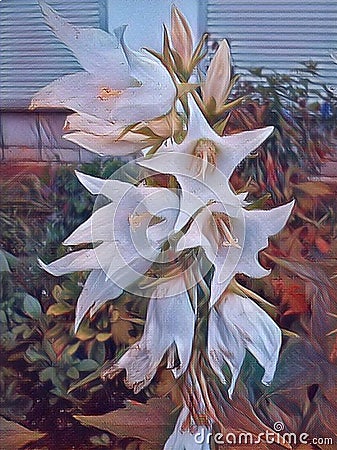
237	324
126	243
183	439
232	244
169	328
230	235
103	137
203	163
118	85
224	152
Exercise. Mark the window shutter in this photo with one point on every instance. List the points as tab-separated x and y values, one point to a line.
277	35
31	56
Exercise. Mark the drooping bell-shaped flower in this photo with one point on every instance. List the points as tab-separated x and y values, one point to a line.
126	242
237	324
233	244
119	86
169	329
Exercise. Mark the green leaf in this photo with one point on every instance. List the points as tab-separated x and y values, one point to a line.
4	266
3	317
48	373
97	352
102	337
32	306
33	355
58	309
73	373
88	379
87	365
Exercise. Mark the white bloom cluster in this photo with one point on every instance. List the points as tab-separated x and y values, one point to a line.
140	225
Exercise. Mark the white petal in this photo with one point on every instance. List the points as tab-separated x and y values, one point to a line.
102	257
93	184
81	260
113	189
197	190
252	230
162	203
234	148
203	233
231	150
82	92
259	333
197	193
96	291
185	440
96	228
91	124
157	88
198	127
169	321
225	345
259	226
94	49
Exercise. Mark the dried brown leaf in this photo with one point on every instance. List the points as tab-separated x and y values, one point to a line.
151	422
14	436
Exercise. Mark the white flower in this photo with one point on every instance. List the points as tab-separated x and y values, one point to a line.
237	324
232	244
126	243
231	235
184	439
119	86
103	137
169	328
202	152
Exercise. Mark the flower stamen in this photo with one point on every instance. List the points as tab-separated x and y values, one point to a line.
223	225
206	151
105	93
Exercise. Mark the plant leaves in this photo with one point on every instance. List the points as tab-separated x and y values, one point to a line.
15	436
151	422
87	365
32	306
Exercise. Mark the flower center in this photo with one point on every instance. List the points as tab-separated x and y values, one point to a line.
105	93
206	151
223	224
136	220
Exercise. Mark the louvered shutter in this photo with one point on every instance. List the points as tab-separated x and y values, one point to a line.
31	56
277	34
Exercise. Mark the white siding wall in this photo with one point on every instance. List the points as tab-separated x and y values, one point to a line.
277	34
